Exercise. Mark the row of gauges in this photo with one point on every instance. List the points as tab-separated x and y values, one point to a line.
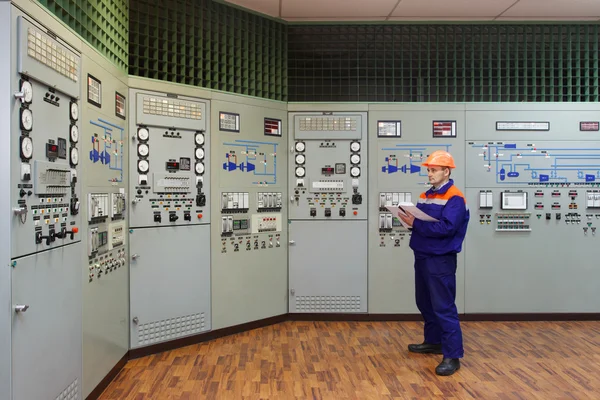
143	150
26	122
199	139
354	159
300	159
74	133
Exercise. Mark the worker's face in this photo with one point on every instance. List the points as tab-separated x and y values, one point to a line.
437	175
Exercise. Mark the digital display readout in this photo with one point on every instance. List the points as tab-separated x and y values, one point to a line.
327	171
172	166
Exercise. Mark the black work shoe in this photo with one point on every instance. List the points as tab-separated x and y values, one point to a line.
448	366
425	348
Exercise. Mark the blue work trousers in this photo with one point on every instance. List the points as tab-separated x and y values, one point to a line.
435	289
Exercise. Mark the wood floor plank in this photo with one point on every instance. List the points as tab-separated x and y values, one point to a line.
369	360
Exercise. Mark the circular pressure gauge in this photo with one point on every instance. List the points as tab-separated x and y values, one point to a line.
74	156
355	146
300	172
199	154
26	147
300	159
355	172
143	134
199	139
26	119
355	159
27	91
143	150
300	146
199	168
74	111
74	134
143	166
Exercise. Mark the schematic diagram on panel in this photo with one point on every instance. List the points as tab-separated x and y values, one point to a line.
256	159
107	148
528	163
406	159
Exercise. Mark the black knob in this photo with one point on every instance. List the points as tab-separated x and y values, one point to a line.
356	199
157	218
62	234
200	200
187	217
342	212
173	217
22	193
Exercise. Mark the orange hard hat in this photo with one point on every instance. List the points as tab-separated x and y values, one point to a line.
439	158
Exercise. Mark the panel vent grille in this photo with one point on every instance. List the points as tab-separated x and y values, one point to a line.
70	393
328	303
173	328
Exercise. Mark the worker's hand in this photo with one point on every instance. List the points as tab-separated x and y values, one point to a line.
408	218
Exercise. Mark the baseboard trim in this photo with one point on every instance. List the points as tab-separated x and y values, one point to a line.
101	387
352	317
203	337
517	317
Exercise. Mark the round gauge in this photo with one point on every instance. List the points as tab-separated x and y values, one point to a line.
74	134
74	156
143	150
26	147
199	154
354	172
199	168
143	166
74	111
26	119
300	159
199	139
355	159
27	91
300	172
300	146
143	134
355	146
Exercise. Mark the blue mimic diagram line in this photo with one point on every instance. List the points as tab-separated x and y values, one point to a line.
390	168
248	166
114	163
507	169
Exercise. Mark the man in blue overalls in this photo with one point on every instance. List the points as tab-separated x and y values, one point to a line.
435	245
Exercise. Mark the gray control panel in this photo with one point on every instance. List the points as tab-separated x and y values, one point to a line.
169	162
328	178
328	167
45	193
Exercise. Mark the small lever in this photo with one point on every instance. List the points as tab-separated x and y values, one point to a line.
21	307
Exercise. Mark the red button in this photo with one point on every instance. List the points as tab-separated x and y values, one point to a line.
199	216
75	229
355	212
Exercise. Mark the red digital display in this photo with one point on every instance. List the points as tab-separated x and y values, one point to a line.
589	126
444	128
327	170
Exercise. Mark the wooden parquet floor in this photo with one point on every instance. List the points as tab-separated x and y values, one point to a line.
369	360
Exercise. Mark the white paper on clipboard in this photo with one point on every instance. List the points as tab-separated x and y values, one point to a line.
412	209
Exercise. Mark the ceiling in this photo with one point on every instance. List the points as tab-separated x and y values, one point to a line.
425	10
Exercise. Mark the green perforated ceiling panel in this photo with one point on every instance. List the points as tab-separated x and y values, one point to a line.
208	44
104	24
444	63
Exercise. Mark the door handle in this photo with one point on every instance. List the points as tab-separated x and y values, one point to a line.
135	256
21	307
